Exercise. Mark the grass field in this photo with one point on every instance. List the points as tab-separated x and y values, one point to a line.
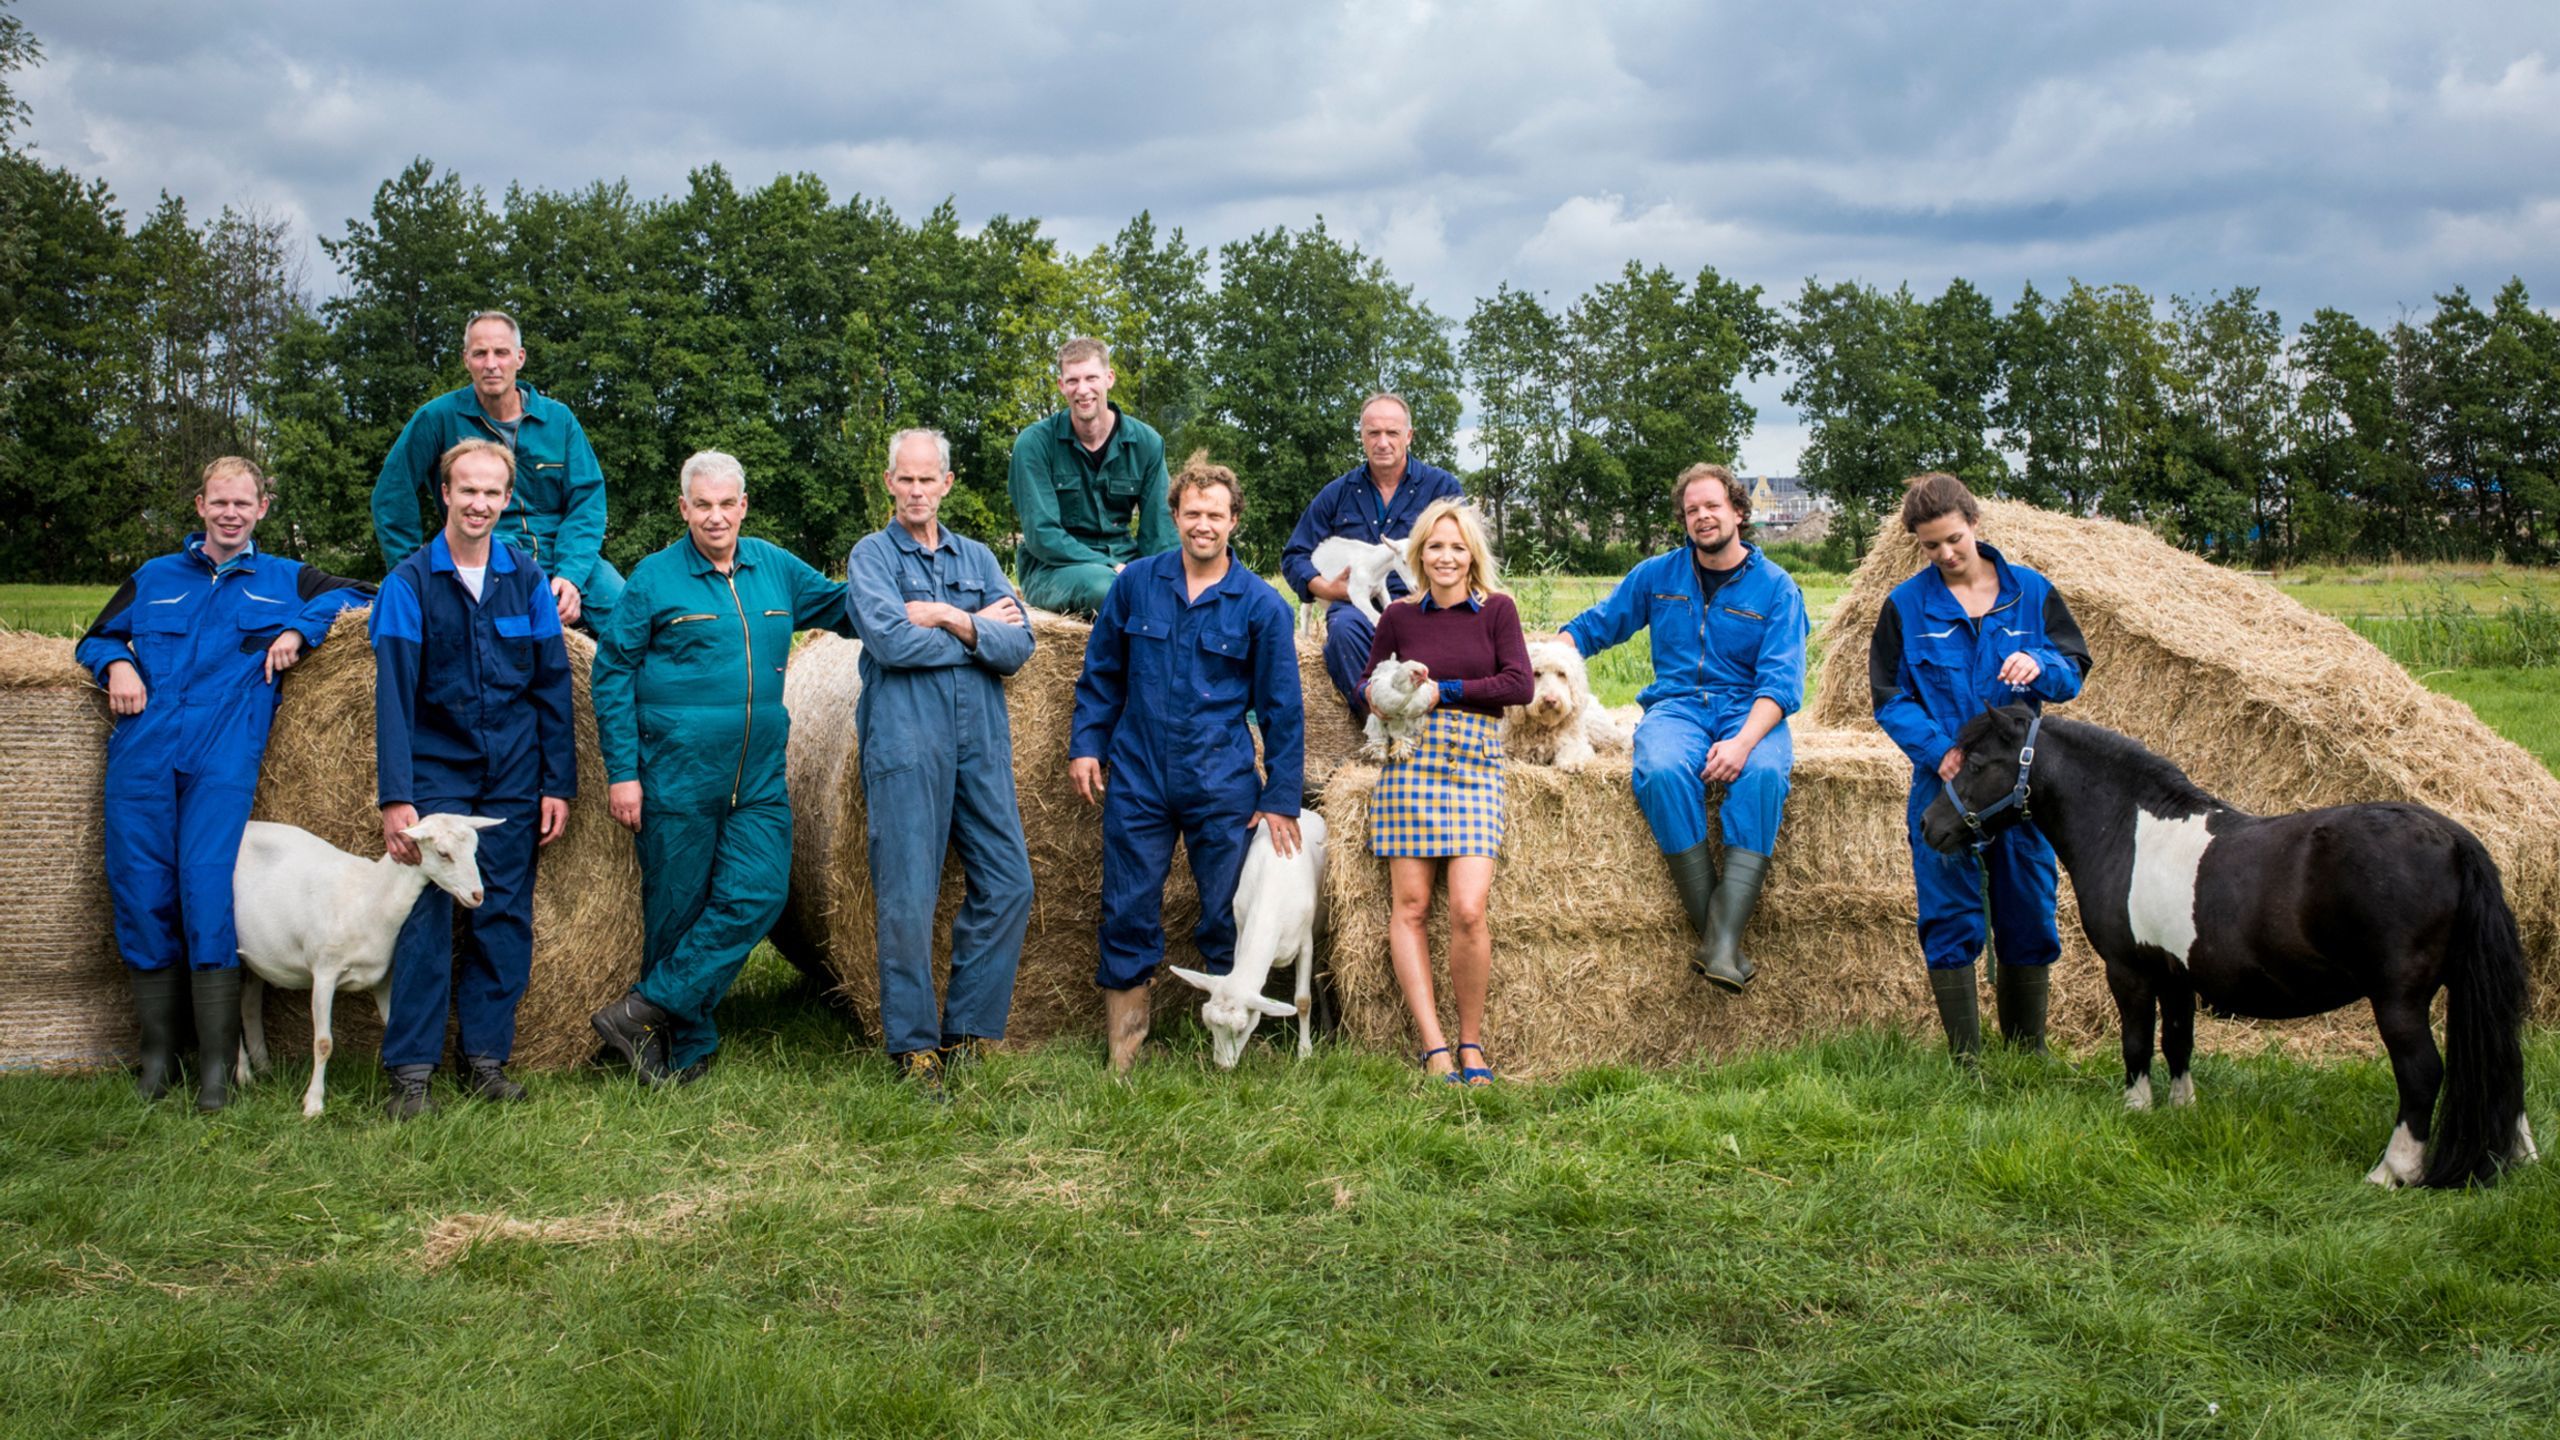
1849	1237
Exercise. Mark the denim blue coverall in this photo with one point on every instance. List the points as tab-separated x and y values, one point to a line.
181	775
688	697
1707	671
471	716
1349	505
557	514
937	772
1930	668
1163	702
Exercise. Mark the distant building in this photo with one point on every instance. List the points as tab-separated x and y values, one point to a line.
1780	504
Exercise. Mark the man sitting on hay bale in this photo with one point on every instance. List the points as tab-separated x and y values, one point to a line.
1078	479
189	651
471	716
1187	644
940	631
688	696
1728	633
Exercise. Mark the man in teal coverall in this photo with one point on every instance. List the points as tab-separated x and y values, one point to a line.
688	697
558	513
1077	479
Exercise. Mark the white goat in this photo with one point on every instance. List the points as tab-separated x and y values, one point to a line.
1275	917
1370	562
313	917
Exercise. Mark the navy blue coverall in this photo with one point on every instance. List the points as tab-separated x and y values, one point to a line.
181	775
471	717
1930	668
1163	699
1349	504
937	773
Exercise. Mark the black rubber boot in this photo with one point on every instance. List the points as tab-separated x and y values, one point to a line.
489	1080
636	1030
160	1005
2020	992
217	1007
1737	892
1959	1010
409	1097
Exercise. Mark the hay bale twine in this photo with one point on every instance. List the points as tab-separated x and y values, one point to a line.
831	903
63	1000
2265	702
319	774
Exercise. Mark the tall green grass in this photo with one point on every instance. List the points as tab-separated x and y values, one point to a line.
2444	632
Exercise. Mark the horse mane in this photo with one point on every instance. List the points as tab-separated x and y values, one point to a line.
2157	783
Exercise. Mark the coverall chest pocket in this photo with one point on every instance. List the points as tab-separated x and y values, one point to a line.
694	634
511	648
1226	666
160	638
1736	631
1150	643
543	478
258	623
771	626
1076	508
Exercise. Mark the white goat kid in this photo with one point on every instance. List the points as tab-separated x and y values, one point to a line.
313	917
1276	907
1401	695
1369	563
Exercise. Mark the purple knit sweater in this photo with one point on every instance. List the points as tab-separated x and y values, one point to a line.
1482	647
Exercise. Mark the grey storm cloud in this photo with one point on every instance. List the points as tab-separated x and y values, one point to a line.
2358	155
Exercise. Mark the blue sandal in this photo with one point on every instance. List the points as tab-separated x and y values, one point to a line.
1424	1060
1473	1074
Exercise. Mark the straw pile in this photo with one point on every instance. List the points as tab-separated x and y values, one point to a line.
1332	740
2265	703
63	1003
319	774
831	907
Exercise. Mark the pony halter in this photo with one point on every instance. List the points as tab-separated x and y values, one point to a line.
2017	795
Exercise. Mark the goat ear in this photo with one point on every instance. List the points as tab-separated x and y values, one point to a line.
483	822
1268	1006
1193	977
415	832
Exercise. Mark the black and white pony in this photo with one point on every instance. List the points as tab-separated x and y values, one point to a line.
2274	917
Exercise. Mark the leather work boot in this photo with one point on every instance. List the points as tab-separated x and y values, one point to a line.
409	1097
2020	994
1959	1010
1125	1022
1737	891
160	1005
1693	874
921	1072
489	1081
636	1030
217	1006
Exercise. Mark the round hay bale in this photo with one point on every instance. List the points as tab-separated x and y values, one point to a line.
1591	948
319	774
63	1000
831	905
2266	703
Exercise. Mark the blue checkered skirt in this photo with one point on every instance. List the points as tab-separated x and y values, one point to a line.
1445	796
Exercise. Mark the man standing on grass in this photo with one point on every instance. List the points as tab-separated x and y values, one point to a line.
1077	480
471	716
688	697
1728	632
1188	644
940	631
558	514
1373	501
189	650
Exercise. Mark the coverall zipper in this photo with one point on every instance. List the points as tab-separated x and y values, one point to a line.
746	739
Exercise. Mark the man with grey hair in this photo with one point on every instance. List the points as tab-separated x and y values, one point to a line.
1079	479
688	701
558	513
940	631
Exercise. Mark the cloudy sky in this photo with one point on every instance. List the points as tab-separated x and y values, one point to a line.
2341	152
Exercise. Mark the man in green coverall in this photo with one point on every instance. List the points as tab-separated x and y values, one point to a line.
1077	479
688	699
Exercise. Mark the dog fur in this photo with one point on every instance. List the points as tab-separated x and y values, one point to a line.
1562	725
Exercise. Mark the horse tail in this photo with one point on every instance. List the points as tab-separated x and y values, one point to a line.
2483	1096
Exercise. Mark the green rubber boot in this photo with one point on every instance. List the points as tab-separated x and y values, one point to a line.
217	1003
2021	993
1737	892
1959	1010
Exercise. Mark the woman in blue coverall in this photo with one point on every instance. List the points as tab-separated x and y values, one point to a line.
1969	632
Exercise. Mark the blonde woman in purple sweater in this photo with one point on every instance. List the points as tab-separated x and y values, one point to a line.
1440	807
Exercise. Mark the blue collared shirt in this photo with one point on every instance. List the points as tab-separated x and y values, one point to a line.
1350	504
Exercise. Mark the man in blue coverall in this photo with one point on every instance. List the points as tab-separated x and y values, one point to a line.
1374	501
1188	642
558	513
1728	632
688	696
471	716
940	631
189	650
